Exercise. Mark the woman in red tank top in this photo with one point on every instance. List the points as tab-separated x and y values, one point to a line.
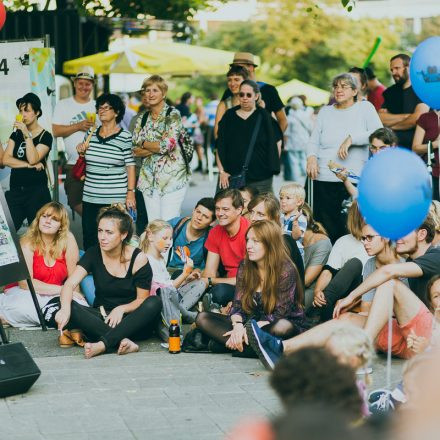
51	254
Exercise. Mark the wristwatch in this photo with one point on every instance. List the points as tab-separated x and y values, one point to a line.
209	282
29	135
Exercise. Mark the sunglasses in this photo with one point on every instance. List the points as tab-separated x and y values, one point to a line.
247	95
368	238
105	108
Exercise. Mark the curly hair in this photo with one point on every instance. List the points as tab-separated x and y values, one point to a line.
313	375
33	235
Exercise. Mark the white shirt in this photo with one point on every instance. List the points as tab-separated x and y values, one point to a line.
344	249
160	272
332	127
69	112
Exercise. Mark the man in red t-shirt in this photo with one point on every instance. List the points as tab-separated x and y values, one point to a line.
375	89
226	244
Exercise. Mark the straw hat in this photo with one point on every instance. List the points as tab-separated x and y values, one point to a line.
243	58
85	72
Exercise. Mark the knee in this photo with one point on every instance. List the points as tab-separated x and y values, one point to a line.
201	319
222	293
354	264
152	305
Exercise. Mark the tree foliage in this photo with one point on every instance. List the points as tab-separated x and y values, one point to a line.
309	41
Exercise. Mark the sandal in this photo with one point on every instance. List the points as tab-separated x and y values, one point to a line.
65	340
77	337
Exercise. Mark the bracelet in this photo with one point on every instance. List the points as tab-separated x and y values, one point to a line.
128	189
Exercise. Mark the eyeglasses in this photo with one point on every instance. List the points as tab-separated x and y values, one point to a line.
242	95
378	148
368	238
105	108
341	86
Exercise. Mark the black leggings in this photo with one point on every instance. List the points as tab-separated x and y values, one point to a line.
140	323
346	280
216	325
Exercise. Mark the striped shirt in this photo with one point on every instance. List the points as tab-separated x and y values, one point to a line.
106	173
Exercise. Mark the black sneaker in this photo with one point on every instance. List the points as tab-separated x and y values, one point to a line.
268	348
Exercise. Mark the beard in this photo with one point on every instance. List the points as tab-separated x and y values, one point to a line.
400	80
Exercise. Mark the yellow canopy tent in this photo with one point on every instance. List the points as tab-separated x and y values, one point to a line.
159	57
315	95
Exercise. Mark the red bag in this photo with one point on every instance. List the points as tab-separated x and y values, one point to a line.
79	169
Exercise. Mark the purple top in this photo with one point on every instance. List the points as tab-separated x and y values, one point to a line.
285	307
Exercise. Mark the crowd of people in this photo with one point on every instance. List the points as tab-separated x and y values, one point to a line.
306	287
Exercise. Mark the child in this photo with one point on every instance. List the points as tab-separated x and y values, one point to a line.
352	346
156	241
293	221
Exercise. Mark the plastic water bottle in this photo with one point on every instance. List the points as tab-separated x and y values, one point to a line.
174	337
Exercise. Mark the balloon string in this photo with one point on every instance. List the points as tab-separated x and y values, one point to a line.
390	339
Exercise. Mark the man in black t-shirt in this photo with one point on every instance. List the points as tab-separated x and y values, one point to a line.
401	107
270	99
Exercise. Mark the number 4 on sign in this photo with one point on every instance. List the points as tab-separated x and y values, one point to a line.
4	66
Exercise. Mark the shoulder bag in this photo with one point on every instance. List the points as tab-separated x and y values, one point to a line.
79	169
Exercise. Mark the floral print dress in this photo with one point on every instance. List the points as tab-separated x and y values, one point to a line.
164	171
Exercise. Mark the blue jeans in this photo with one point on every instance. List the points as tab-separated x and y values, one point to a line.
88	286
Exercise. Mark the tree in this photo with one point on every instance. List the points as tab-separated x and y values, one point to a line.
160	9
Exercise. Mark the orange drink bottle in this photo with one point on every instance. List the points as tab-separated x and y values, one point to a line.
174	337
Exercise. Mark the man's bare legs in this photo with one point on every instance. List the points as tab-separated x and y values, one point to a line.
318	336
405	305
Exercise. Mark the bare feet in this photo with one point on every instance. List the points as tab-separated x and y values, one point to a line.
126	346
93	349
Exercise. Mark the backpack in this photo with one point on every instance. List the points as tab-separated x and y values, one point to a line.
184	140
177	230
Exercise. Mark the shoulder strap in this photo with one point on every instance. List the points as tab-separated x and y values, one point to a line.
176	231
144	118
133	258
252	143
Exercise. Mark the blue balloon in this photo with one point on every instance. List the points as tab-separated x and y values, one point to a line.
395	192
425	72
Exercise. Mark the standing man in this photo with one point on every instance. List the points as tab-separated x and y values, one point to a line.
270	99
70	122
375	89
401	107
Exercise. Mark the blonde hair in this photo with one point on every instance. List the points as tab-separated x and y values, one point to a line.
295	189
355	221
153	228
434	210
33	235
158	80
353	341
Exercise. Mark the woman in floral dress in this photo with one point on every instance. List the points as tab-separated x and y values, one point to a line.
163	178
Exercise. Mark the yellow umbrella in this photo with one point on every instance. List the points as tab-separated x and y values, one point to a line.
315	95
156	57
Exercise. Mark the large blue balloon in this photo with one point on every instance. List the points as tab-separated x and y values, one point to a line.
395	192
425	72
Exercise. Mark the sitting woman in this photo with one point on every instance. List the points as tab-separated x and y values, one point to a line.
317	248
123	308
267	207
267	290
51	254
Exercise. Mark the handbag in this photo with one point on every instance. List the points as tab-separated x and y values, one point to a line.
239	180
79	169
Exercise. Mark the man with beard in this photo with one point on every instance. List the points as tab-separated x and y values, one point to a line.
401	107
409	304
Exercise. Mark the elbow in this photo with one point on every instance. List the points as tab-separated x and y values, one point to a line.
388	272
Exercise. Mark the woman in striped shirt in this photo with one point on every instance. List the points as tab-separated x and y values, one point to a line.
110	167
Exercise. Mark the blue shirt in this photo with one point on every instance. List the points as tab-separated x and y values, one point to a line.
196	247
287	223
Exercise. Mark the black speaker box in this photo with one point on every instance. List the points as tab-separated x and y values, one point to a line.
18	371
